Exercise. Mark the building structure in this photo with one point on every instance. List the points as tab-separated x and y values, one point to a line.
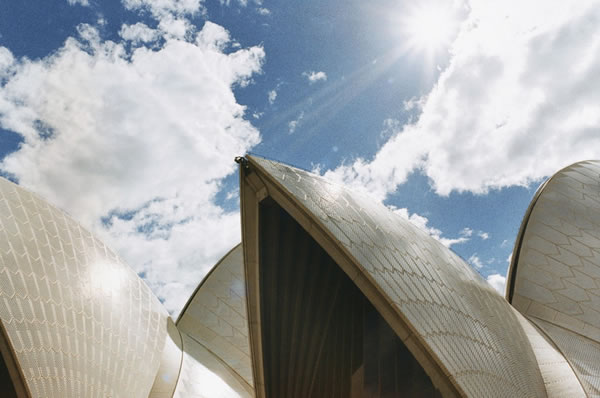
329	295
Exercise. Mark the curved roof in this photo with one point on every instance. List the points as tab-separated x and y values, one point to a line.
76	321
205	375
466	336
214	326
554	278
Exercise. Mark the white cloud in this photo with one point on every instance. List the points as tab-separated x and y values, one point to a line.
242	3
175	27
475	261
294	123
171	16
454	241
272	96
6	62
160	8
213	36
314	77
518	100
498	282
89	35
422	223
139	139
233	194
139	33
80	2
483	235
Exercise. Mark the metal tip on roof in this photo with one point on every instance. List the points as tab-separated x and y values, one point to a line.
241	161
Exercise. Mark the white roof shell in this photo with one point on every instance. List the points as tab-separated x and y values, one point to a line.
76	321
466	336
554	277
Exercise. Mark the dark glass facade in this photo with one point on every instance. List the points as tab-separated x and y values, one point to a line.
321	336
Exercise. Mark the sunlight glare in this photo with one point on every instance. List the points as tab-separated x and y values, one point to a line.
429	28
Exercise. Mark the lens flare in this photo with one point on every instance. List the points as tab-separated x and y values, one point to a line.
429	28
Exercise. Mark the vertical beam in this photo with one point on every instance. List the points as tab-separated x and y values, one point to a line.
250	186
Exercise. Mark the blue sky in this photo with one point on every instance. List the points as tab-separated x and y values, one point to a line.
127	113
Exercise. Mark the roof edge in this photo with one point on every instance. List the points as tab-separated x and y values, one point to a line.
208	274
514	262
427	359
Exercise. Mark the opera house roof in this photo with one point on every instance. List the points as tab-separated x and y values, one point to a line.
330	294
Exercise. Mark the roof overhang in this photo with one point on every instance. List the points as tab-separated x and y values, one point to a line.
256	185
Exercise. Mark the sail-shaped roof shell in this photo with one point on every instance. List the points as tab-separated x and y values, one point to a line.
554	277
467	337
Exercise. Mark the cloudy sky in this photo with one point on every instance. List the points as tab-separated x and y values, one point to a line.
128	114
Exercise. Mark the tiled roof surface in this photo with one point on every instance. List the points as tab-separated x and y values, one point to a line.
555	274
80	322
470	330
216	317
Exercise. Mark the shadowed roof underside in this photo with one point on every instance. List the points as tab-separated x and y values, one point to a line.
330	295
466	337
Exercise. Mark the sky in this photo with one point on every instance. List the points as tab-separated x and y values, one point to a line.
127	114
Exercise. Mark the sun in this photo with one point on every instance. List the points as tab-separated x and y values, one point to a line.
427	28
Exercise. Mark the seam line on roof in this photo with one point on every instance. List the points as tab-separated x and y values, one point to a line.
564	328
237	376
187	304
566	358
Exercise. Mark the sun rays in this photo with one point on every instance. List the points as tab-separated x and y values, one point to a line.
426	29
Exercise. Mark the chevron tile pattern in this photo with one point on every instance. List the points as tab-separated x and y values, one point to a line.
216	315
471	331
79	321
556	271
